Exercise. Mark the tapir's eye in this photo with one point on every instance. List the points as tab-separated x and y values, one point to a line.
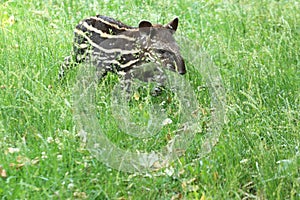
161	51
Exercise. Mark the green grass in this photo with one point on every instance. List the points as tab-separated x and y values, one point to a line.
256	46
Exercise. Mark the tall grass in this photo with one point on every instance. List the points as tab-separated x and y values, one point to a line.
256	46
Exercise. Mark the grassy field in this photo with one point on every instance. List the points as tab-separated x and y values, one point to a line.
255	45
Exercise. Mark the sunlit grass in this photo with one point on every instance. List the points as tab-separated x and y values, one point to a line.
255	45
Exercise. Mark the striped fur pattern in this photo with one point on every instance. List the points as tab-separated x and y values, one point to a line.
113	46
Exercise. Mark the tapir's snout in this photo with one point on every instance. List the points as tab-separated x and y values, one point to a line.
180	66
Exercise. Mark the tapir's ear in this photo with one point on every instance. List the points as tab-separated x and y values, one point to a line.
145	28
172	25
145	24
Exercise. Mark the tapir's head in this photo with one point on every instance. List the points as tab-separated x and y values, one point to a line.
161	46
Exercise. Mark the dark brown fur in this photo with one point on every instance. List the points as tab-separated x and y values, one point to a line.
112	45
